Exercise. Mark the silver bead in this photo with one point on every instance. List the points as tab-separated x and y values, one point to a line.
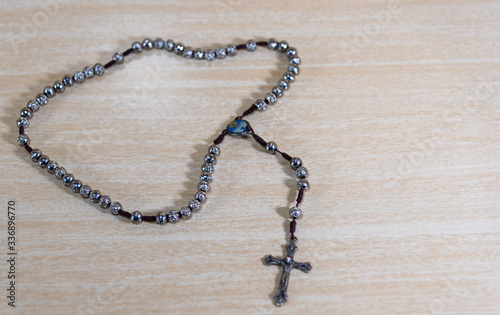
231	50
49	92
137	47
115	207
67	80
105	201
33	105
301	172
283	84
99	69
291	52
205	177
158	43
60	172
35	155
85	191
23	139
303	184
271	98
26	112
68	179
118	57
79	77
283	46
199	54
293	69
288	77
251	45
136	217
185	213
261	105
295	163
58	87
76	185
52	166
194	205
42	99
201	196
173	216
88	72
207	168
295	213
278	91
161	217
295	61
271	147
147	44
220	53
272	44
214	149
23	122
95	195
203	186
169	45
209	55
187	53
179	48
209	158
43	161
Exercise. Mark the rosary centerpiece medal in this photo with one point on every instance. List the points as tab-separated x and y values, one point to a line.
238	127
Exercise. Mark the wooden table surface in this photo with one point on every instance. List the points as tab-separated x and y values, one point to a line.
395	113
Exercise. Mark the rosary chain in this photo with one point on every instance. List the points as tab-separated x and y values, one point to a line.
210	158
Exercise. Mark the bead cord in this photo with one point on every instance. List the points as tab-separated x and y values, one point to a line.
220	138
149	218
124	213
207	169
247	112
128	51
293	225
109	64
300	196
259	140
285	155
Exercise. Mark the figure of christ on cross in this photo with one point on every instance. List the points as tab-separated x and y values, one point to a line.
288	264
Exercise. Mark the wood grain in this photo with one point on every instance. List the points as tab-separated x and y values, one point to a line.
395	113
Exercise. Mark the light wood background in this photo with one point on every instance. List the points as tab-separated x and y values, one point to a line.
395	113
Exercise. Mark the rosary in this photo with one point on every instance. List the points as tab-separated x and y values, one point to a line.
238	128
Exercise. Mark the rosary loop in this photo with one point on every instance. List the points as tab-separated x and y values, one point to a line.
239	127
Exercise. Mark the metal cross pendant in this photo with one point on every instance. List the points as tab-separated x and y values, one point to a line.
288	264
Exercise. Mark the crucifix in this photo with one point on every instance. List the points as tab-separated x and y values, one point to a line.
288	264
